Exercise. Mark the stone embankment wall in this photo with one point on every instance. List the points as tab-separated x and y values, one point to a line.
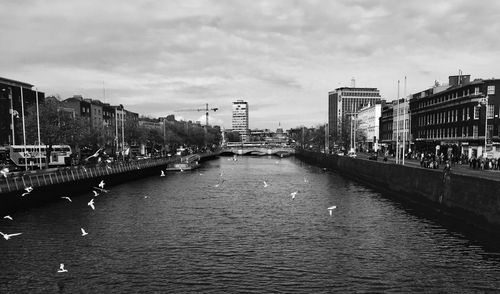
468	199
52	185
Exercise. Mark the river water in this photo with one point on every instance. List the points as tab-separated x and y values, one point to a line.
182	234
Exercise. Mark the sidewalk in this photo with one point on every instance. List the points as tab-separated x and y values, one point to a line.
461	169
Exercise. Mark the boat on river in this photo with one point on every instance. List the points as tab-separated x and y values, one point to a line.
186	163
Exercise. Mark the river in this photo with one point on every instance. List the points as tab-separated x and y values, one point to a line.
183	233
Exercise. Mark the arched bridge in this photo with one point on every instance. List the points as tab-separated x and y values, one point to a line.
254	149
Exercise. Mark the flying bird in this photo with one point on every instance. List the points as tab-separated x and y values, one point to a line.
101	189
265	184
69	199
95	193
219	183
28	190
91	204
7	236
62	269
293	194
101	184
83	232
8	217
331	208
4	171
162	174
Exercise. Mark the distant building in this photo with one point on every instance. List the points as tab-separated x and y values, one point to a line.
240	119
345	102
385	128
368	121
11	110
401	124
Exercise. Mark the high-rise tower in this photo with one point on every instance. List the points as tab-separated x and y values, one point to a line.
240	119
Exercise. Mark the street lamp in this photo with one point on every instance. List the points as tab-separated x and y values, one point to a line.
484	101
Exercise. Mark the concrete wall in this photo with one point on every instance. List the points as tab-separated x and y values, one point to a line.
469	199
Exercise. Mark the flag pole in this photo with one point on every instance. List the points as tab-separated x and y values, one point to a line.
38	129
24	130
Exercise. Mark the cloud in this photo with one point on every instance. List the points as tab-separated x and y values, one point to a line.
283	56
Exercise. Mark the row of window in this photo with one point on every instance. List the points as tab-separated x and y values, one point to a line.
458	94
452	115
458	132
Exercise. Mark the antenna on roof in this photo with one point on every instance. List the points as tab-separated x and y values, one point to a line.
353	82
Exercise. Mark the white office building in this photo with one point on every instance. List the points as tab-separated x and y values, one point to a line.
368	125
240	119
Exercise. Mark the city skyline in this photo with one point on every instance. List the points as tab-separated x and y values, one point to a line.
158	57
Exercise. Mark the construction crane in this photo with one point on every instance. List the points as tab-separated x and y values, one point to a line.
206	109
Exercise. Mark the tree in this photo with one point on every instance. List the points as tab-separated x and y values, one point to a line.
56	127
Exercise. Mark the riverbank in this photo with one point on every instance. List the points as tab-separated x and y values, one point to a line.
50	185
469	200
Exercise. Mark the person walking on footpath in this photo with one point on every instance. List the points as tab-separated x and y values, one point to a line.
446	171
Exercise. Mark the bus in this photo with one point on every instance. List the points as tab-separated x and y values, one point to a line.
30	155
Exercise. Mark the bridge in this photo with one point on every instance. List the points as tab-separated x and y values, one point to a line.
256	148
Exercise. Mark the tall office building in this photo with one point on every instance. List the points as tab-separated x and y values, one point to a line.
240	119
345	102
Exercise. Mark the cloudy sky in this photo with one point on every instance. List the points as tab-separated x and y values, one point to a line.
283	57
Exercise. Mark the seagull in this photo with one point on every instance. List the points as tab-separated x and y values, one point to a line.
162	174
62	269
83	232
4	171
220	183
331	208
8	217
182	170
95	193
293	194
69	199
28	190
101	184
265	184
91	204
101	189
7	236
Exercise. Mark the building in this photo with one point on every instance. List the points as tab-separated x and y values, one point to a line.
240	119
385	128
11	108
343	103
460	118
368	122
401	125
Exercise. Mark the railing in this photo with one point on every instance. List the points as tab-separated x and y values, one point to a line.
18	181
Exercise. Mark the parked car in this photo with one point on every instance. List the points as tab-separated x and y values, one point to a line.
352	154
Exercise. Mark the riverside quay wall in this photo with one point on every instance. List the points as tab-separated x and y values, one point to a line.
468	199
51	185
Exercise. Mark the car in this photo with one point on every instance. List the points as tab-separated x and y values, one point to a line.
352	154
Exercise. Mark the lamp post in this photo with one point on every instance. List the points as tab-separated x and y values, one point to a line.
484	101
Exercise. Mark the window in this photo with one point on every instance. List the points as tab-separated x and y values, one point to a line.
476	91
476	112
491	90
490	131
474	131
491	110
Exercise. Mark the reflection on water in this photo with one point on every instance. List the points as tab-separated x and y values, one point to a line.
181	233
